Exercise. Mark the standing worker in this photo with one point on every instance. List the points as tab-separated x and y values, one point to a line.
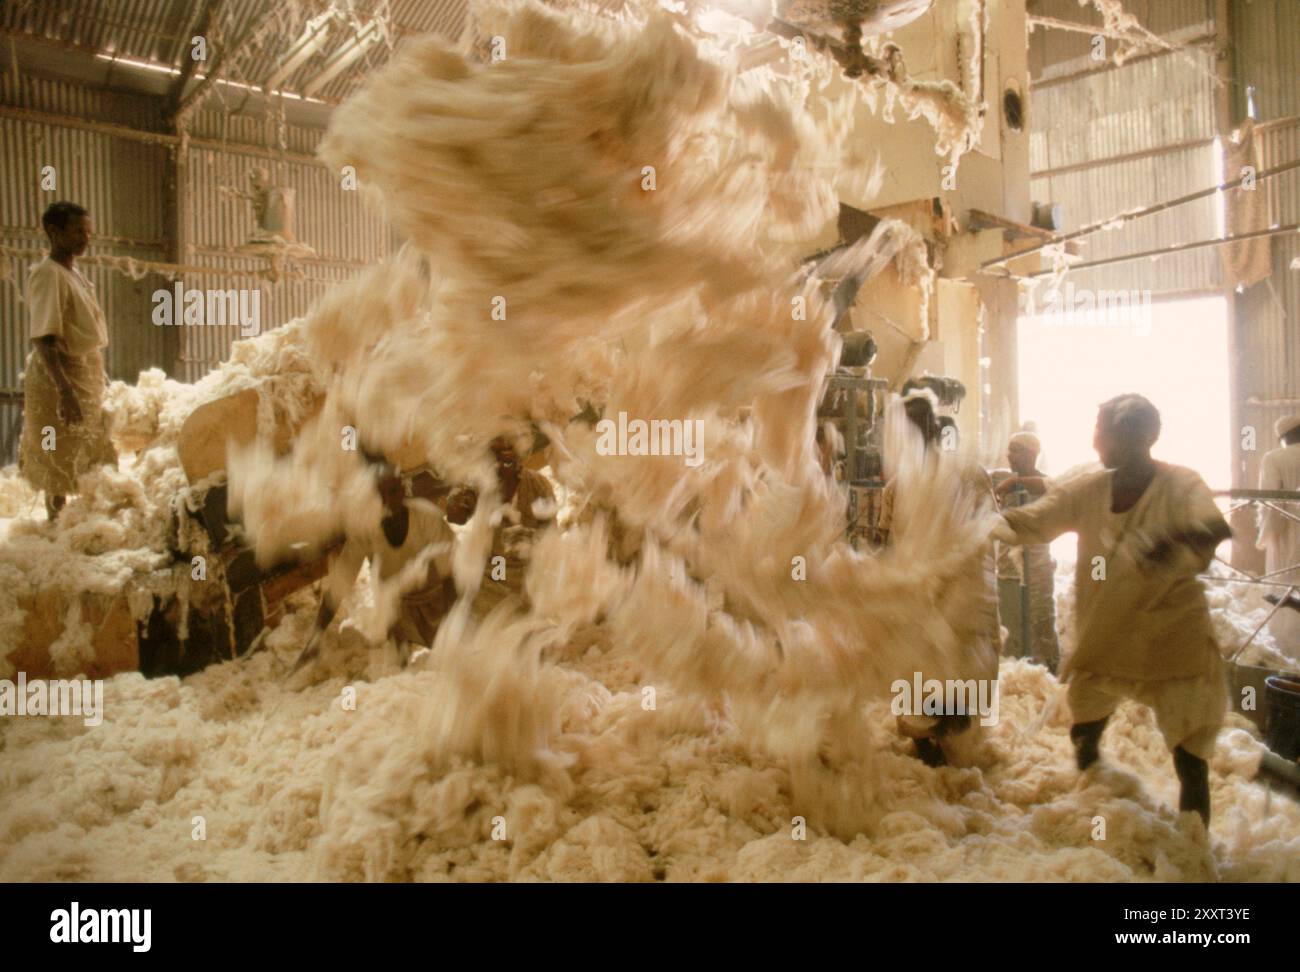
65	429
1026	585
1146	529
1279	536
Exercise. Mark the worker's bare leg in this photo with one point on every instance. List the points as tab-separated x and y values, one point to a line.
53	504
1194	775
1086	737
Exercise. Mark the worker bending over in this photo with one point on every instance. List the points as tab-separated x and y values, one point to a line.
409	525
529	503
65	429
1146	529
928	732
1279	535
1026	582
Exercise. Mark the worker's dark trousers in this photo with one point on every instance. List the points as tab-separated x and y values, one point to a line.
1194	775
1193	772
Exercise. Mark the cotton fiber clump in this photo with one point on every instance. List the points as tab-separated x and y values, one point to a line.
292	786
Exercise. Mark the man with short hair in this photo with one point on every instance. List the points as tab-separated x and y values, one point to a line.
1279	536
65	429
1146	529
1025	574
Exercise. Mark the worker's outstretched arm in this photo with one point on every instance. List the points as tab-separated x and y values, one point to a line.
1043	520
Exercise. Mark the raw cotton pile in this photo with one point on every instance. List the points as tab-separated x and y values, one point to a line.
112	537
291	785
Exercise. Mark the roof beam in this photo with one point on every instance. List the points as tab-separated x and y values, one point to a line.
210	12
225	53
343	58
312	40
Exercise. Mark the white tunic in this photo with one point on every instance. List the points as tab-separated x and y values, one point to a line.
63	305
1136	621
1279	537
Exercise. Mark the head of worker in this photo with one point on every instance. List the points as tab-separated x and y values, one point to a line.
920	412
1127	428
68	228
507	463
1022	453
388	482
1288	429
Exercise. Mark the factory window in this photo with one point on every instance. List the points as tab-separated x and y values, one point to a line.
1173	351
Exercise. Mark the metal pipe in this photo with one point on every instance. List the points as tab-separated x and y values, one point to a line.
1149	211
1177	248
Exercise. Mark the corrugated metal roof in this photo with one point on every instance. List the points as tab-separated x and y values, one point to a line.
1054	52
257	34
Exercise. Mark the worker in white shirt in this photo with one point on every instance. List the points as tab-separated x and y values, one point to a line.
1279	536
65	429
1146	529
1025	574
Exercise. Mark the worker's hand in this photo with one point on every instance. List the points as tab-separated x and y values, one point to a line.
1003	532
69	408
1007	485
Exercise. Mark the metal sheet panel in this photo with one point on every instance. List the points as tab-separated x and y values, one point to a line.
1268	314
1142	106
1096	193
1110	141
345	232
1266	41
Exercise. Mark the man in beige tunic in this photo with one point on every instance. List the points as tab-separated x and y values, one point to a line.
65	430
1026	573
1279	535
1146	529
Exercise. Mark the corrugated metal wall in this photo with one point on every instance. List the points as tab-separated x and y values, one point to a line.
1110	141
117	179
1266	51
1107	138
337	223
